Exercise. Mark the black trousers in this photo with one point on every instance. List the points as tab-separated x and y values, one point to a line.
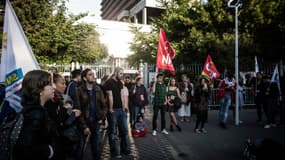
156	109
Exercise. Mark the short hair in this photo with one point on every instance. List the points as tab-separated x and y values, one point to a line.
75	73
33	84
138	79
118	69
159	75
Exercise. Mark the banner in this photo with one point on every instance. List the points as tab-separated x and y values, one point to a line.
210	71
17	57
165	53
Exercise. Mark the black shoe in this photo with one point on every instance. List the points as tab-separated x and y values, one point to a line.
128	153
179	128
223	125
171	128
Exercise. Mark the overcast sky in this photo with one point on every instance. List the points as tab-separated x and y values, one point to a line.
91	6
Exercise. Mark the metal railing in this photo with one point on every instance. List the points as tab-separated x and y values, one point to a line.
248	96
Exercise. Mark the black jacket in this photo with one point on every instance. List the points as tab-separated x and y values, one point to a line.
139	96
35	137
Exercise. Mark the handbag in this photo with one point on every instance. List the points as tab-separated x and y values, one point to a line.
184	97
177	103
71	134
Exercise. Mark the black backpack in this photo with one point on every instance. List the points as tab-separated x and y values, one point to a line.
9	134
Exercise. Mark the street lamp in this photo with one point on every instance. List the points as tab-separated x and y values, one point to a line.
236	5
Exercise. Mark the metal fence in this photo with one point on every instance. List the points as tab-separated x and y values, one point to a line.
248	96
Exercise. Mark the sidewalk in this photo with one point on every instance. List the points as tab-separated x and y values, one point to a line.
218	143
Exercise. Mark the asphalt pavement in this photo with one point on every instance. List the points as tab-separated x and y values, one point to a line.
216	144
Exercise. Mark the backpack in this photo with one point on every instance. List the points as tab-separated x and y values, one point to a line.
9	134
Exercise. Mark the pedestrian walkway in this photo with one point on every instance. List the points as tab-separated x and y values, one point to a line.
217	143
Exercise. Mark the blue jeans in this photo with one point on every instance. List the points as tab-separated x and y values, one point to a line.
96	141
225	105
118	118
135	111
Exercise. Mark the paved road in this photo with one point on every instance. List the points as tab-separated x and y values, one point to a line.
218	143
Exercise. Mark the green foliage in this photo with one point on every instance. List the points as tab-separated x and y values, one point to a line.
197	29
55	36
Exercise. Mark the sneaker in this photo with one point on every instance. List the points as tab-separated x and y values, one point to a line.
117	156
197	130
203	130
154	132
164	131
273	125
267	126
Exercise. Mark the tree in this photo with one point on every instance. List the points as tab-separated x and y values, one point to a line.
55	36
196	29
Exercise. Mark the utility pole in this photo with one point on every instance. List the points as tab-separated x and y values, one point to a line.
236	6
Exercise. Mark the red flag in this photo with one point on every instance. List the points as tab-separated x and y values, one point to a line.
165	53
210	70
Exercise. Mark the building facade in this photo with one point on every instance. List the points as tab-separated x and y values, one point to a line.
138	11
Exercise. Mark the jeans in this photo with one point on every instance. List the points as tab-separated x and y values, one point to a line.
225	105
96	141
118	118
135	111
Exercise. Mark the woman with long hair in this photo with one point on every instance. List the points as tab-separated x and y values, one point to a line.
34	141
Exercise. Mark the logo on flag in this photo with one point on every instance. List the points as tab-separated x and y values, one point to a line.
165	53
17	57
209	70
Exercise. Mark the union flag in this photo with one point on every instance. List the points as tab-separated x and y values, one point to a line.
210	71
165	53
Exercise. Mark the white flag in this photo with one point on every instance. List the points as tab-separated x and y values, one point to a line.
17	57
275	76
256	65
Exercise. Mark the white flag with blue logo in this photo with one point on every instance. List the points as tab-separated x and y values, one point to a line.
17	57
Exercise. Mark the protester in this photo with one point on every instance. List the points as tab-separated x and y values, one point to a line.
259	96
159	103
226	89
63	120
91	101
271	97
73	83
201	101
139	127
139	100
117	116
173	103
187	89
34	141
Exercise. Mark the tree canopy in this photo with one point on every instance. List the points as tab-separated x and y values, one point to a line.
55	36
196	29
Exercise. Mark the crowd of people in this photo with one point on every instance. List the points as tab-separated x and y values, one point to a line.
61	118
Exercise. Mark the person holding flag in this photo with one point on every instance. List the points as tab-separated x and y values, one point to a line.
271	97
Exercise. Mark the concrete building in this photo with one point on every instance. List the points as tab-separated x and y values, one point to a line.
138	11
